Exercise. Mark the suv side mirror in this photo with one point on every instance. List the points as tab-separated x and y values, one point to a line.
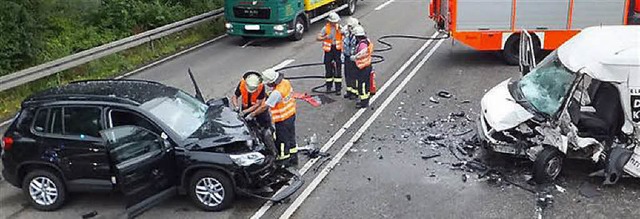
166	144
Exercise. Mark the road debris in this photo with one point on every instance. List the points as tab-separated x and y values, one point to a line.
90	215
589	190
465	177
444	94
408	197
434	100
430	156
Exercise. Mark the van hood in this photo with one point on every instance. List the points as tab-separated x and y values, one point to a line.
500	109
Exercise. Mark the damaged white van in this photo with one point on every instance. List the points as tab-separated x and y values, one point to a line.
581	101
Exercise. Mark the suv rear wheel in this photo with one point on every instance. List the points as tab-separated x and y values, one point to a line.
211	190
45	190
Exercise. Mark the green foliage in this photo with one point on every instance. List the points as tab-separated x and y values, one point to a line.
112	65
36	31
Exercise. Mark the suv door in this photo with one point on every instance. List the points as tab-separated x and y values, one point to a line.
72	140
144	165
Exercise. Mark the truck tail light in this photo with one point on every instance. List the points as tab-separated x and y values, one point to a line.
7	143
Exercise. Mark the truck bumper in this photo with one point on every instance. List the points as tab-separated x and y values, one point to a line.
259	30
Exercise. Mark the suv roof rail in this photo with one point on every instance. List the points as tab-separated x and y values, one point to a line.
57	97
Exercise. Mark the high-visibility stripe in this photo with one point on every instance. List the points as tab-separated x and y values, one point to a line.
365	92
282	155
329	79
293	150
339	80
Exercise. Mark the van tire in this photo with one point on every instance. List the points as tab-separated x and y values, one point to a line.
511	51
547	165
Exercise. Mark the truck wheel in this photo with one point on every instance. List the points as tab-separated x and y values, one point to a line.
511	51
45	190
211	190
547	165
351	9
299	29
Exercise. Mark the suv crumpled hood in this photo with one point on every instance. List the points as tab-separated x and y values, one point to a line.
500	109
223	126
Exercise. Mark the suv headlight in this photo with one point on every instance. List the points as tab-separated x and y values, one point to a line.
247	159
278	27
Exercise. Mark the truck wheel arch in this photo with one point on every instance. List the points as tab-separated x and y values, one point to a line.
510	54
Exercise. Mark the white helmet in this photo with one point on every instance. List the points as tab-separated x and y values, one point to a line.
358	30
252	81
270	76
352	21
333	17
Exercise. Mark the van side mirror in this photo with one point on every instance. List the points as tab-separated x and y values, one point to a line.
526	53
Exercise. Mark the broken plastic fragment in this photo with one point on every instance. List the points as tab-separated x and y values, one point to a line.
444	94
434	100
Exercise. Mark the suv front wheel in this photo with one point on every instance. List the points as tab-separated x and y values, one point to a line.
45	190
211	190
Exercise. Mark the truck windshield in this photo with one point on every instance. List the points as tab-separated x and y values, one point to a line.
546	86
181	112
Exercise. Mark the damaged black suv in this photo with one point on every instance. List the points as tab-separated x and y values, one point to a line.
144	139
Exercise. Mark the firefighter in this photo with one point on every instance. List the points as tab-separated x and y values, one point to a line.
331	37
362	58
348	49
283	114
253	95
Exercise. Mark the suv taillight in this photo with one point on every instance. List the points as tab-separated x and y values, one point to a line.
7	143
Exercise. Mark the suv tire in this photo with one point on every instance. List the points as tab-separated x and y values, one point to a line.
211	190
44	189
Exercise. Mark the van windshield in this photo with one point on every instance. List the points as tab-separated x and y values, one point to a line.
546	86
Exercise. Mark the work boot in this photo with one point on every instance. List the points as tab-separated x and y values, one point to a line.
362	104
329	88
347	95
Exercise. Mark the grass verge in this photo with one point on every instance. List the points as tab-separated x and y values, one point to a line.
112	65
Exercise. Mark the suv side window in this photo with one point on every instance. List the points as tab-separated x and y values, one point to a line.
40	122
82	121
48	120
124	118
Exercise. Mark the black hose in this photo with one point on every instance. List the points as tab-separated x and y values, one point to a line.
376	58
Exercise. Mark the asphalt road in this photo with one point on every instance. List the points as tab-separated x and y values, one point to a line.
381	174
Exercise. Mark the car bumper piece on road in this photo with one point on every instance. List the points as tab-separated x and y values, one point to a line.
495	145
294	184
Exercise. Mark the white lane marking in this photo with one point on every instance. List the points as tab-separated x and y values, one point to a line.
283	64
170	57
316	19
348	124
334	161
248	43
383	5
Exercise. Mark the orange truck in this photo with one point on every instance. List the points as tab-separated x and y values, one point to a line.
494	25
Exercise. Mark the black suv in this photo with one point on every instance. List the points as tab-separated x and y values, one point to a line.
141	138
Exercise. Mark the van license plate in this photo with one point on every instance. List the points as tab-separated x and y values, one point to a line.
252	27
633	166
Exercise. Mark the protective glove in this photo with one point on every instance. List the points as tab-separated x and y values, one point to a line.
353	58
236	109
249	117
241	113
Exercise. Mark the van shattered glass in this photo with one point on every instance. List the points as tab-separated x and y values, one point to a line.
546	86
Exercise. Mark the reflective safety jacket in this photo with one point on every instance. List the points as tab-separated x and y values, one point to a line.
365	60
327	43
245	94
286	107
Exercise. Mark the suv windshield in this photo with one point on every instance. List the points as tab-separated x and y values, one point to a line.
546	86
181	112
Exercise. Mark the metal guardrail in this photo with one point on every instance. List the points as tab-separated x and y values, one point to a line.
53	67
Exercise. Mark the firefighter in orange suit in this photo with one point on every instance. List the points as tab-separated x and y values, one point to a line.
253	96
362	58
331	37
283	114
